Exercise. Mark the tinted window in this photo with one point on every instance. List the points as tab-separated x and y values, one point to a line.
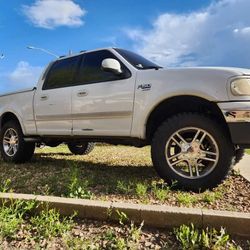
91	68
136	60
62	73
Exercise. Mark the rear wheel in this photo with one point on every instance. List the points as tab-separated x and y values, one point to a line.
192	150
12	145
81	148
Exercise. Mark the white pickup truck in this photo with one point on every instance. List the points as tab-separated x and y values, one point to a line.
197	120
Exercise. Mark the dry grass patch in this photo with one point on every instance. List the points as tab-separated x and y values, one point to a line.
116	173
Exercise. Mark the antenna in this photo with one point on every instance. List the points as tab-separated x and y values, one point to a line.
43	50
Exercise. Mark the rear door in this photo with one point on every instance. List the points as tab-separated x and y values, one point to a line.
102	103
52	102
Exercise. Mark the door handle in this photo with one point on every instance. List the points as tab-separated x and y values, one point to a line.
82	93
44	97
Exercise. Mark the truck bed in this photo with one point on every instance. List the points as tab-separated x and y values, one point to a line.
20	103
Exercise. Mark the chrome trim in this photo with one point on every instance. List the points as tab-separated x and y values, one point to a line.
95	115
10	142
192	152
237	115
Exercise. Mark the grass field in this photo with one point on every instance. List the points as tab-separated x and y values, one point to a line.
116	173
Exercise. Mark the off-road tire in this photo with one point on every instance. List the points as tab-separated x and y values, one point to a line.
25	150
239	154
82	148
221	137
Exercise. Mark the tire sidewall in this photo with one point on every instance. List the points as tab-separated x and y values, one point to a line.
198	121
86	147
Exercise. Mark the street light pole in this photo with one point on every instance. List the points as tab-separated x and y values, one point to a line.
43	50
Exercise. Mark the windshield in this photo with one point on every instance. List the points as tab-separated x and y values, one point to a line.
136	60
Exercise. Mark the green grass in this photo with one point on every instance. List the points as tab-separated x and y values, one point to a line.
108	173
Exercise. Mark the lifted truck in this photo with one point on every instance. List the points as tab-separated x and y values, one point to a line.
195	119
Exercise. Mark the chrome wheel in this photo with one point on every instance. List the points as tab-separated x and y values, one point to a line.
192	152
10	142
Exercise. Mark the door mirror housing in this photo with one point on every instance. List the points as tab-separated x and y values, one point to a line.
111	65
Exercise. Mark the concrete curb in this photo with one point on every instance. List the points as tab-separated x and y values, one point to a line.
243	167
153	215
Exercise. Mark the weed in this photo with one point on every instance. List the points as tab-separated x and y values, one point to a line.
123	218
5	186
123	187
110	240
71	242
186	198
135	232
48	224
160	193
210	197
127	238
11	217
141	190
77	188
190	237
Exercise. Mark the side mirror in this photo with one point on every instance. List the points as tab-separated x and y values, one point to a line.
111	65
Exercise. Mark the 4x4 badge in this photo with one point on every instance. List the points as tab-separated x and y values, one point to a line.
144	87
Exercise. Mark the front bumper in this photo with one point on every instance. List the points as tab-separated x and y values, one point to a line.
237	115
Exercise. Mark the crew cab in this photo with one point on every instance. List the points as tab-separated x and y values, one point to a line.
195	119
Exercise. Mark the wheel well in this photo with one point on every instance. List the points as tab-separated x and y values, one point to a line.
9	117
180	104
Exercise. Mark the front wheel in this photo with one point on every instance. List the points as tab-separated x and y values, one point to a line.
81	148
12	145
192	151
239	154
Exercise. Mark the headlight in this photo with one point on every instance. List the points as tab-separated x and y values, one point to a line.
241	87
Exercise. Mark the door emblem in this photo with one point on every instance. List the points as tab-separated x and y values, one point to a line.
144	87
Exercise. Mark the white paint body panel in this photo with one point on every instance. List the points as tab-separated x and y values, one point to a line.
21	105
53	115
117	108
106	109
207	83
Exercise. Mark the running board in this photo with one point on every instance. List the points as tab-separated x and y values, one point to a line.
32	139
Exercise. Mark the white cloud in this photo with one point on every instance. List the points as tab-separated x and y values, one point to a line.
217	35
24	75
50	14
243	31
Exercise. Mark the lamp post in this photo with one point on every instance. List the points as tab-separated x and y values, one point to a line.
43	50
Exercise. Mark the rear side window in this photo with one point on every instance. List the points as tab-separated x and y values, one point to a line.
62	73
91	68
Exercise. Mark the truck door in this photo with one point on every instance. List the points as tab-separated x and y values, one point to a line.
102	103
52	104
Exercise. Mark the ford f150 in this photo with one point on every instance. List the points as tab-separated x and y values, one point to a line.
197	120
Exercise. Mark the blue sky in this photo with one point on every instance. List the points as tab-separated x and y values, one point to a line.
172	33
